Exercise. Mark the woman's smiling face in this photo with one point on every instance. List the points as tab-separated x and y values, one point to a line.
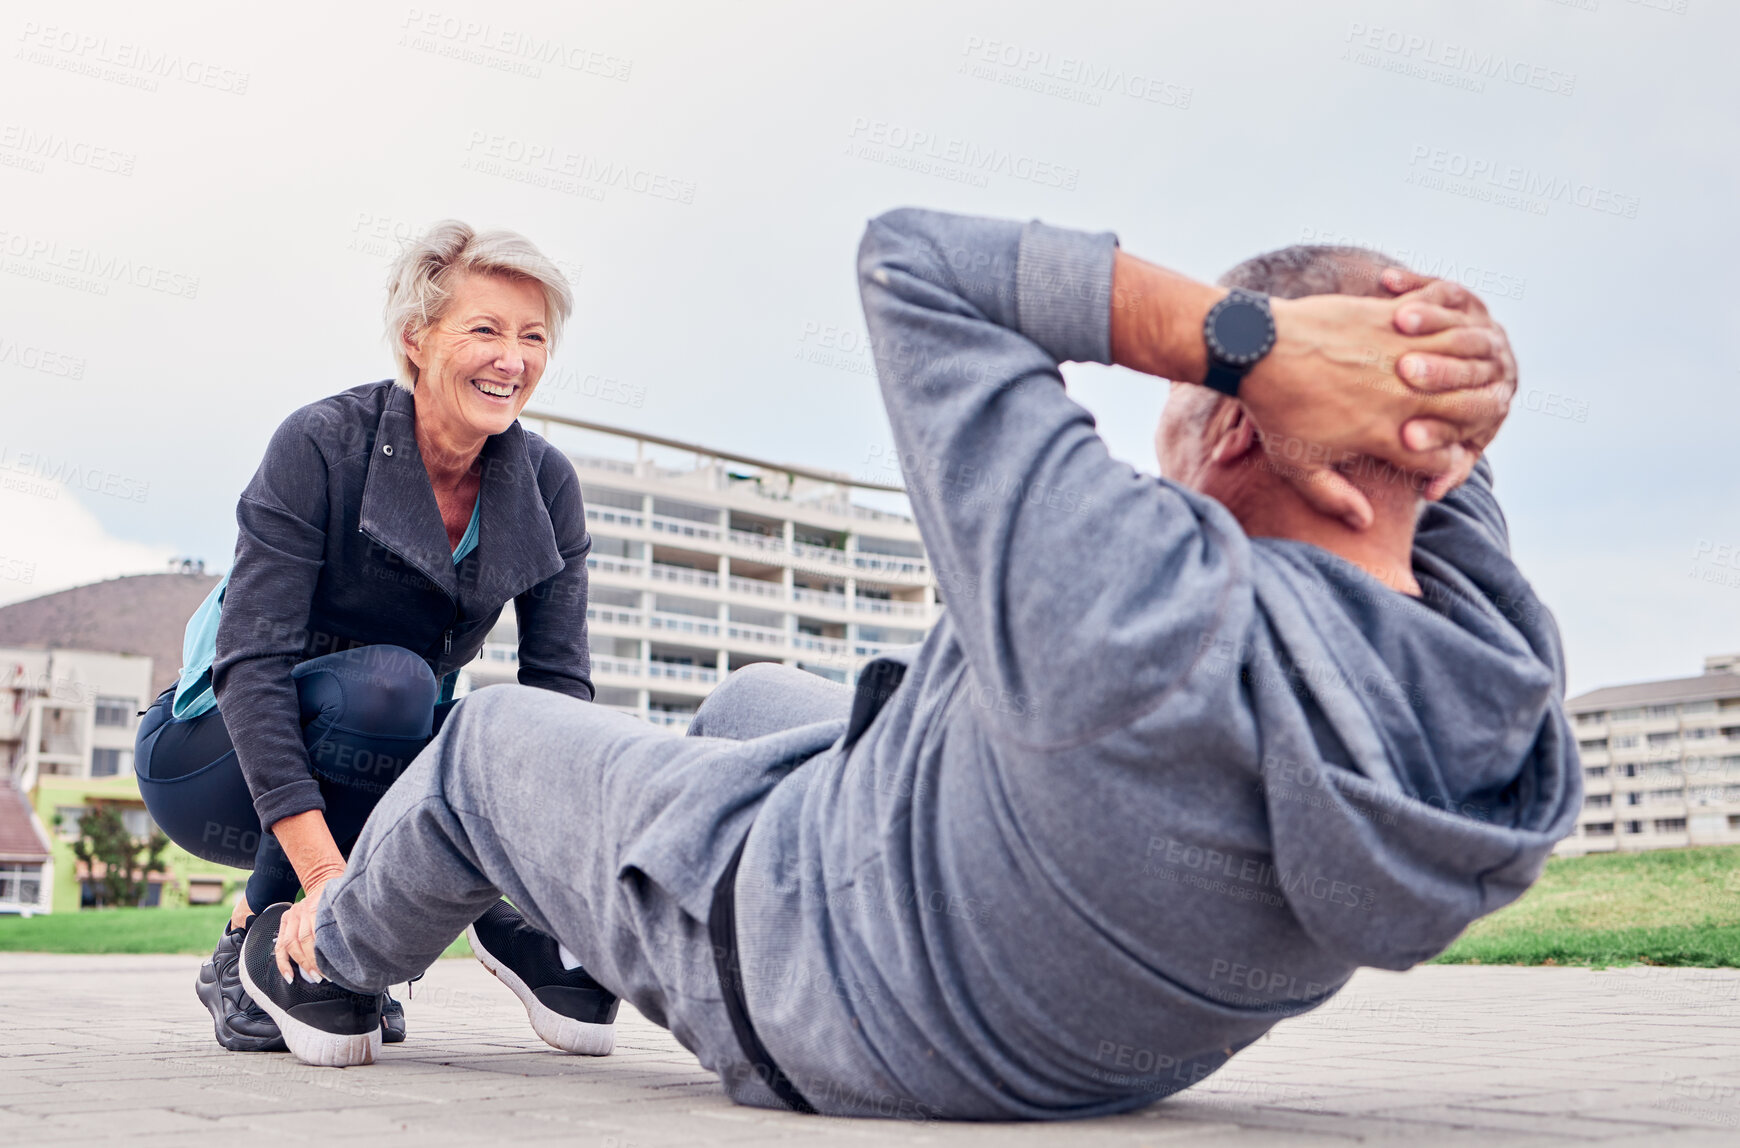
478	364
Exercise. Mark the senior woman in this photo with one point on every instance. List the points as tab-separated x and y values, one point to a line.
384	531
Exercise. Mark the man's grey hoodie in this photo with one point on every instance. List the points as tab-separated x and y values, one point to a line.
1150	785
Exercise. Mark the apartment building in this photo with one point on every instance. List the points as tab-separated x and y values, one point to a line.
1661	762
67	719
704	562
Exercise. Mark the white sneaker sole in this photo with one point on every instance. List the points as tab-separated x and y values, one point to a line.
558	1031
309	1044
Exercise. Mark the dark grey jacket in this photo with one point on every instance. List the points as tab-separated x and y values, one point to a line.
340	544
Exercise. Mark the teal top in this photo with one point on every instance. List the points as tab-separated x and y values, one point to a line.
193	694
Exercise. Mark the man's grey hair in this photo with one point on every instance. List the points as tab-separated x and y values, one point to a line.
1313	269
420	283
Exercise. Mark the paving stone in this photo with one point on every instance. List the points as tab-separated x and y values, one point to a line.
1441	1055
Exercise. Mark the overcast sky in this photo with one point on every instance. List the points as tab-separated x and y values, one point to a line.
197	205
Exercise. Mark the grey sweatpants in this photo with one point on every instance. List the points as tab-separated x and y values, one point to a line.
554	803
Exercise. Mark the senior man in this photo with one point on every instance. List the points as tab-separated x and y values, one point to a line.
1182	754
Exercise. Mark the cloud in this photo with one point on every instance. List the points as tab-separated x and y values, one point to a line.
52	542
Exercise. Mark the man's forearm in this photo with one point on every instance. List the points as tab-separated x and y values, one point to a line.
1156	320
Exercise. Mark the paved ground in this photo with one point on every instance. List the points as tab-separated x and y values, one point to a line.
105	1050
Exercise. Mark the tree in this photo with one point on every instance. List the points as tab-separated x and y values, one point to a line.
103	837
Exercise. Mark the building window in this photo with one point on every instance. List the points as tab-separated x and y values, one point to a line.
1600	829
138	822
1634	827
1657	739
116	711
1629	741
106	762
1594	744
1660	711
1596	771
1634	799
1670	825
1591	719
1691	708
66	820
1627	715
1598	801
20	884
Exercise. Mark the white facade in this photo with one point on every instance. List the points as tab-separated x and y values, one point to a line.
69	713
698	570
1661	762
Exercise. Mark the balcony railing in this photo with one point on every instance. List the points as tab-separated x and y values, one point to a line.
680	673
683	576
891	608
676	719
615	516
827	554
760	635
822	598
684	528
758	587
823	645
625	667
887	564
768	542
616	566
683	624
615	616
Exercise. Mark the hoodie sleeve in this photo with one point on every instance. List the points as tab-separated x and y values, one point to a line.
1472	506
554	651
281	522
1080	590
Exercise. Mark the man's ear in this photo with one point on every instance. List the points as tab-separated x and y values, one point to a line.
1233	433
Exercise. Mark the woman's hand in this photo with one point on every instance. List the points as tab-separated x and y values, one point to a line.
296	935
307	842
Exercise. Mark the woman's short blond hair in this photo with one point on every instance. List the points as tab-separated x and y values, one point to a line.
420	284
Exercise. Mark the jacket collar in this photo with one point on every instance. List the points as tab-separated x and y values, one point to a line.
516	546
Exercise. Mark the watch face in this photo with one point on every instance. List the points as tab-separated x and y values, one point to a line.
1242	331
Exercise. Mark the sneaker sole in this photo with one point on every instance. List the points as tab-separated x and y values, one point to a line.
309	1044
212	997
557	1031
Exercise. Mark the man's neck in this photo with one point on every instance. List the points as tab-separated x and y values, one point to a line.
1384	550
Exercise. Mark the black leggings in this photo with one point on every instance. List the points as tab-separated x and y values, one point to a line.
366	713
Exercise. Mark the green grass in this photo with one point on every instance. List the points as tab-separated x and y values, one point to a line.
1666	907
191	930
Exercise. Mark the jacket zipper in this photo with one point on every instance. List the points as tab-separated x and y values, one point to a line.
446	635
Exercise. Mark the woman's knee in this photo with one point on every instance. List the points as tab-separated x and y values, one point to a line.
384	690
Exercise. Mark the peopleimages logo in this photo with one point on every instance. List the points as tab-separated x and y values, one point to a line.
1480	177
934	153
120	61
1454	59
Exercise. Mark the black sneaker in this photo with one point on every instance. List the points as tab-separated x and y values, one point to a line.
392	1020
322	1023
569	1009
240	1024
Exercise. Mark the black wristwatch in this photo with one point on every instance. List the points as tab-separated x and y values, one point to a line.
1239	330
